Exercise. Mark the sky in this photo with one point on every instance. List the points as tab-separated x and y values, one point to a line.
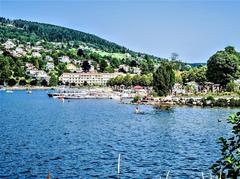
193	29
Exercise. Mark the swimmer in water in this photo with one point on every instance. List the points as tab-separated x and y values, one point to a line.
137	110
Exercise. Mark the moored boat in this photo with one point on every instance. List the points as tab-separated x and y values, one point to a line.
9	91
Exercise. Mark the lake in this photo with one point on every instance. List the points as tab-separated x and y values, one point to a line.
83	138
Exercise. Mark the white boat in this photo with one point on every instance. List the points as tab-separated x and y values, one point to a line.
9	91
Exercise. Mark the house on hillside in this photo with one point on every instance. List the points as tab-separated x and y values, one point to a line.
8	44
49	66
37	74
36	54
64	59
136	70
30	66
123	68
37	48
71	67
49	58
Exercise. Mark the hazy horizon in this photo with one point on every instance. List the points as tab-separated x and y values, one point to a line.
193	29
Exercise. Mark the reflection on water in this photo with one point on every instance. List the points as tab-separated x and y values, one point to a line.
82	138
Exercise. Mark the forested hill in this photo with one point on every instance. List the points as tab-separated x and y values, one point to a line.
34	31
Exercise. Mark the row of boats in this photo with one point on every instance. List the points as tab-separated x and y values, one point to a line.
11	91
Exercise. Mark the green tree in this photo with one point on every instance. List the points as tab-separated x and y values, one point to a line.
127	80
12	82
5	71
61	68
44	82
86	66
146	80
36	63
109	69
136	80
53	81
34	82
163	79
228	166
22	82
147	66
103	64
231	86
119	80
223	66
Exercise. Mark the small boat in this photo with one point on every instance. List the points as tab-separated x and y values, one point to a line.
61	98
9	91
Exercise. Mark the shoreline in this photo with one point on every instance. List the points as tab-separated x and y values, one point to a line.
161	102
27	88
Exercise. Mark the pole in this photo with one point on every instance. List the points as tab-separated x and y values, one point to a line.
119	161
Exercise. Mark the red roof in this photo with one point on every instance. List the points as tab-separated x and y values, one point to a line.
137	87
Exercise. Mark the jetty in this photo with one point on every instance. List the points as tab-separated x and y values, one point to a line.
74	93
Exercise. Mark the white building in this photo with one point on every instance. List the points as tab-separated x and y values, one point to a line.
89	78
49	58
21	51
64	59
136	70
30	66
124	67
18	52
38	74
9	44
49	66
37	48
36	54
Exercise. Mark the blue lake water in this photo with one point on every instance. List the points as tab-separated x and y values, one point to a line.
82	138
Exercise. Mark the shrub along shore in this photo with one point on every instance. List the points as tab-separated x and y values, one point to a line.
220	101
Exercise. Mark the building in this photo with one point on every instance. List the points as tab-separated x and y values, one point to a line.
30	66
36	54
9	44
38	74
49	66
123	68
71	67
49	58
136	70
89	78
64	59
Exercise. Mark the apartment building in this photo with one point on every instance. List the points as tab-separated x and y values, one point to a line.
89	78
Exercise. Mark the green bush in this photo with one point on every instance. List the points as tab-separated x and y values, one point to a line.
221	102
208	98
136	99
234	102
154	94
190	101
227	166
231	86
211	98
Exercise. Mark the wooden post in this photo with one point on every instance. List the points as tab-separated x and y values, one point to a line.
119	161
167	174
49	175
